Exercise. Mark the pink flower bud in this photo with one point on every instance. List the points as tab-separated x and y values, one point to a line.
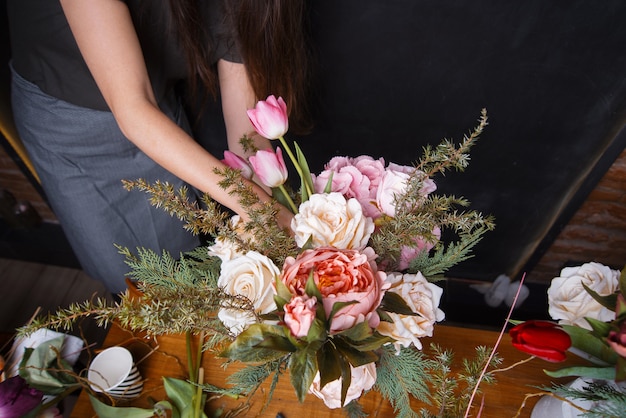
233	160
269	167
300	314
269	117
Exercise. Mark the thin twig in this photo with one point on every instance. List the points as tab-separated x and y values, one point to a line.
495	347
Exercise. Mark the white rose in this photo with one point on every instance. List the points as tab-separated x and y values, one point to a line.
224	249
423	298
569	302
361	378
251	275
331	220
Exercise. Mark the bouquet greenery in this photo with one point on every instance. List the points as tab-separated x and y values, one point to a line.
341	300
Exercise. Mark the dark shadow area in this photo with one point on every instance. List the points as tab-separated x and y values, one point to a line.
395	76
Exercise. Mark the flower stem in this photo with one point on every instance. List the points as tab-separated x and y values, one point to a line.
295	164
292	205
198	406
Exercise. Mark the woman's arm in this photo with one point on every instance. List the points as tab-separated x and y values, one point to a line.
238	96
108	42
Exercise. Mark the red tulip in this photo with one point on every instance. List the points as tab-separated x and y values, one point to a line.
269	117
542	339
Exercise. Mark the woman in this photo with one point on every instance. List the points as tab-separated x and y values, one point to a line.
96	100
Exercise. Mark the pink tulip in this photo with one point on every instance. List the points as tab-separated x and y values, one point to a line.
233	160
269	117
269	167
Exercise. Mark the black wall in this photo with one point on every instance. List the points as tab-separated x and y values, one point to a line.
396	75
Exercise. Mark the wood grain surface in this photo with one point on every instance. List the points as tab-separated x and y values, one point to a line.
166	356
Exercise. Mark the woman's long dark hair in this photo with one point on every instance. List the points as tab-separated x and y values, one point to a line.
273	43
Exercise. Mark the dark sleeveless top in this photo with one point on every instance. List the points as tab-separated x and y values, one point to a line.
45	53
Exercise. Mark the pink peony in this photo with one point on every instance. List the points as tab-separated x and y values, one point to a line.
371	168
300	314
269	117
340	276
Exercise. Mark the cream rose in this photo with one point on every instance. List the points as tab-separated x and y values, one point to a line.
251	275
423	298
569	302
362	378
332	221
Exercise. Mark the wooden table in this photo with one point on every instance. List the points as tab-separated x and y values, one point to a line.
169	359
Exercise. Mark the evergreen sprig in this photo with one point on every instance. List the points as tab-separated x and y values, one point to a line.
401	376
450	393
447	155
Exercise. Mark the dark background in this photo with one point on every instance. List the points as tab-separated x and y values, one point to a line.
396	75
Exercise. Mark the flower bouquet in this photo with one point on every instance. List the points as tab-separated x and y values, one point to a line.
589	306
340	301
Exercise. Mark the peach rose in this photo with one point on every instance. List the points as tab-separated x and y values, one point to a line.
340	276
331	220
362	378
423	298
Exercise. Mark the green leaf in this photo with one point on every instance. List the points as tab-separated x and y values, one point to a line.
103	410
622	282
346	379
283	295
591	372
183	396
329	364
393	302
311	290
180	392
384	316
279	195
372	343
585	341
306	179
259	343
607	301
302	369
329	184
40	367
317	331
337	306
358	332
600	328
355	356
